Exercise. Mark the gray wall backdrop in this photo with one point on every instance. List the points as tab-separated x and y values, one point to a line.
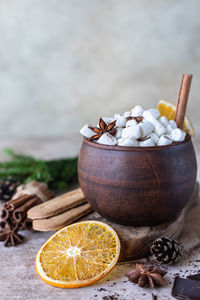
64	63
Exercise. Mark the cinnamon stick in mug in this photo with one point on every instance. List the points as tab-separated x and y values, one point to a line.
57	205
183	99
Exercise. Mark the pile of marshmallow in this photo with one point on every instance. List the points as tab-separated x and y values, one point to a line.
139	128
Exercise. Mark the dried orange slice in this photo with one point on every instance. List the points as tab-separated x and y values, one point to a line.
78	255
168	110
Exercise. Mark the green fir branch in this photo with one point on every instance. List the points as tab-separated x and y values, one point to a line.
56	173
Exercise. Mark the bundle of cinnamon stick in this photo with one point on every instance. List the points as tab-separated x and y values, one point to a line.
14	212
60	211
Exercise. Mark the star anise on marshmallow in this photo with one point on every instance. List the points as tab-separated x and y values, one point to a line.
103	128
137	119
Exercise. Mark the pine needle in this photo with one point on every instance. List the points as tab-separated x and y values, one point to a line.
56	173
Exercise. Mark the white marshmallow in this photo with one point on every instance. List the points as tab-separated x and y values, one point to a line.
147	115
121	122
164	140
178	135
173	124
127	114
154	136
147	143
163	120
146	128
116	116
137	111
118	132
131	123
108	120
87	132
132	131
159	129
155	112
107	139
128	142
169	128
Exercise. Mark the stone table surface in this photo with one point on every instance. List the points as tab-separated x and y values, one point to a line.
18	279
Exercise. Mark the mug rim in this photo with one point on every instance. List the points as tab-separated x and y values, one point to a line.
133	148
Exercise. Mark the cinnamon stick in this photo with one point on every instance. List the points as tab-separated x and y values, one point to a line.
4	224
13	204
183	99
14	212
63	219
4	214
57	205
25	224
21	212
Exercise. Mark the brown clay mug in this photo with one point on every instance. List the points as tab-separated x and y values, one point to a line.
137	185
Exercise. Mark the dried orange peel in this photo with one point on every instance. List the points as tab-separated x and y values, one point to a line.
78	255
168	110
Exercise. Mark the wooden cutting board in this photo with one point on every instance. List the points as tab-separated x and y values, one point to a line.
136	241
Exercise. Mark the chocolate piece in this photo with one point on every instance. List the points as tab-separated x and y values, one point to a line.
186	289
194	277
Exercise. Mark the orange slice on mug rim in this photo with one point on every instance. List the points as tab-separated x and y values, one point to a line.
168	110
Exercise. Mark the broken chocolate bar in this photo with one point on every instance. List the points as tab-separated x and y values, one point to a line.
186	289
194	277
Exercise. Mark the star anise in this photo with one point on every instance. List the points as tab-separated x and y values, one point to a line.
137	119
149	276
103	128
10	236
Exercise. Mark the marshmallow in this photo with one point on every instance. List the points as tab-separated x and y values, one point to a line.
137	111
131	123
151	130
164	140
121	122
118	132
128	142
107	139
108	120
155	112
86	131
163	120
147	142
132	131
116	116
178	135
127	114
173	124
159	129
154	136
169	128
146	128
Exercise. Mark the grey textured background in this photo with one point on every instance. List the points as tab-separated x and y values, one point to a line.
64	63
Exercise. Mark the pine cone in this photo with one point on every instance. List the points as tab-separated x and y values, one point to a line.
8	188
166	250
